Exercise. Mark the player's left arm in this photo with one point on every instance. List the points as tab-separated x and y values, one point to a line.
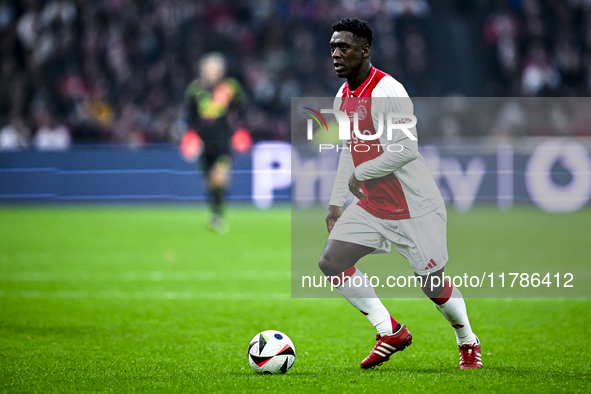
403	152
238	103
390	97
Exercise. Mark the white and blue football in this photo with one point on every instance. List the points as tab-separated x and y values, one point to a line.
271	352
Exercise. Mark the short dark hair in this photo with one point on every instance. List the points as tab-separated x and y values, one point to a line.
360	29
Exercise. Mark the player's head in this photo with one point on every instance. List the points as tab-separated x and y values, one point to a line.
212	68
349	45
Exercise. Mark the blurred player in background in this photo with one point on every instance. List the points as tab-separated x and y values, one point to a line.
209	108
399	203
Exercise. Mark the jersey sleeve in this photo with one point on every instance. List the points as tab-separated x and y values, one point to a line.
238	96
389	96
189	111
404	152
340	189
238	103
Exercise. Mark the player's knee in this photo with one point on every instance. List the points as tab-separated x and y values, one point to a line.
432	293
323	263
432	285
328	264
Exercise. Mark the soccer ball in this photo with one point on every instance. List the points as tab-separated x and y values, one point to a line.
271	352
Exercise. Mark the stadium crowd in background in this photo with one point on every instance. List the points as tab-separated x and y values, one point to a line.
115	71
542	47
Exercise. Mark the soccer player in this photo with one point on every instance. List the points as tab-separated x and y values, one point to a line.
208	102
399	203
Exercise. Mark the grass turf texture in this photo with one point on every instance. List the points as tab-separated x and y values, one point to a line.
115	299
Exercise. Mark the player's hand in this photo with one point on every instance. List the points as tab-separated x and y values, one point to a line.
355	187
334	213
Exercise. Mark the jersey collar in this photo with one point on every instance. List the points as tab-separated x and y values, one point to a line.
361	88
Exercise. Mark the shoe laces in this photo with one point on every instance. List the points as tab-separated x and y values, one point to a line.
379	339
467	354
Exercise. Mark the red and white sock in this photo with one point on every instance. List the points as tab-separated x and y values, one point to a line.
452	306
353	286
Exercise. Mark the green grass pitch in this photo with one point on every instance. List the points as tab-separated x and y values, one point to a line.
122	299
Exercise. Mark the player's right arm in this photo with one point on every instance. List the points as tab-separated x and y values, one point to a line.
340	190
334	213
189	111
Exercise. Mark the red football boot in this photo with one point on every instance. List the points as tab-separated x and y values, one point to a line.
386	346
470	357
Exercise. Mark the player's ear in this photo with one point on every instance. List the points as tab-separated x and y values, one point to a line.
365	51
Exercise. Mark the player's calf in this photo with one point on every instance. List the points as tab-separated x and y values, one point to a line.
450	303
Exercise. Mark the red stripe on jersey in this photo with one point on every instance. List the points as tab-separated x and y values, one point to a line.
371	81
434	264
387	199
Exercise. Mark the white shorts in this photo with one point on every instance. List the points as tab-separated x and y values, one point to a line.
422	241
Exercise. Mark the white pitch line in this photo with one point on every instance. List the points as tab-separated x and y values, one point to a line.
144	295
199	296
143	276
44	258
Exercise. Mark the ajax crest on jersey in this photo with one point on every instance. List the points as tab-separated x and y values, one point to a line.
271	352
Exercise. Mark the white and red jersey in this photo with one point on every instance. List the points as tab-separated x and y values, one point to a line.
399	184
